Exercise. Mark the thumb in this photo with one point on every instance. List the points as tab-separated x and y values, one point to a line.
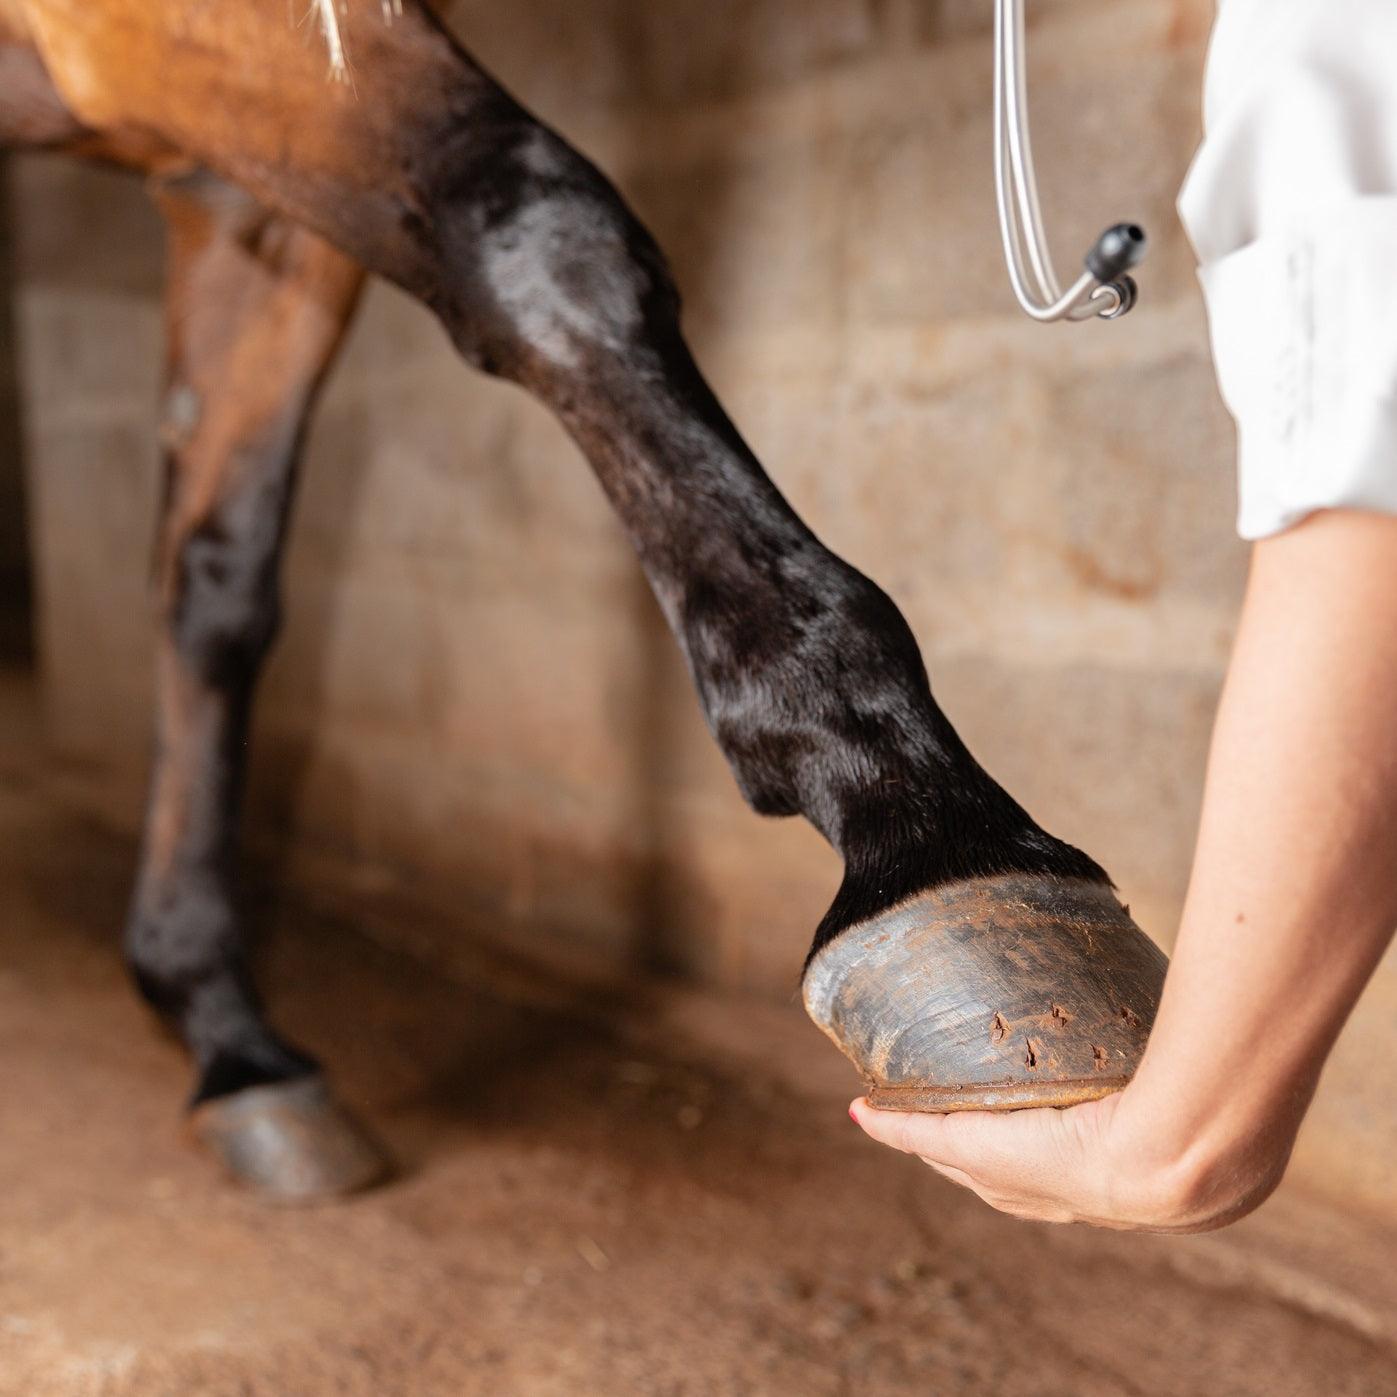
912	1132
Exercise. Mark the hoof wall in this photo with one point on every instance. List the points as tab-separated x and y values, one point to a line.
291	1142
994	994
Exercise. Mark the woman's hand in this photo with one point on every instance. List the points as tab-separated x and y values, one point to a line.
1292	901
1088	1164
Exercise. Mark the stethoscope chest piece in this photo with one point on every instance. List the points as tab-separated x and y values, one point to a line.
1105	290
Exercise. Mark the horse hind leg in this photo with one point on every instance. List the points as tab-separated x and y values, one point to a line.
256	308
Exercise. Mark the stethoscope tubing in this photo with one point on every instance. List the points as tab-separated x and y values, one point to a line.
1026	253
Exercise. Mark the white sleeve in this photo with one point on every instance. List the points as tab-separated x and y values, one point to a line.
1291	205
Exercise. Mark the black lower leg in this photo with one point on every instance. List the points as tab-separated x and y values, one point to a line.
257	308
184	937
807	673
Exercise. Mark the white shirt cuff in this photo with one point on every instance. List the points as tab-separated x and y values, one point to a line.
1304	331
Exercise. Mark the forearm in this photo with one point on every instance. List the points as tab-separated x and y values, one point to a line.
1294	888
1293	898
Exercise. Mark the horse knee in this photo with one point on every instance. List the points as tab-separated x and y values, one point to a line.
544	268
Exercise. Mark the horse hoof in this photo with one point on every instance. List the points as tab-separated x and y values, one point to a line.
993	994
291	1142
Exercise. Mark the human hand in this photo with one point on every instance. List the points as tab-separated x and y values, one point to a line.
1292	902
1095	1163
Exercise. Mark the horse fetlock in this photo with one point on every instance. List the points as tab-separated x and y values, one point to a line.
814	688
187	960
180	943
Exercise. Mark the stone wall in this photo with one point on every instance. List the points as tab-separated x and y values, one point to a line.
15	597
475	707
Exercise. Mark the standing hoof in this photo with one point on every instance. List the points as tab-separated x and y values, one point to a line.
291	1142
993	994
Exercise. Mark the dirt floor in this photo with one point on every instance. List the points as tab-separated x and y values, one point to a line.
605	1191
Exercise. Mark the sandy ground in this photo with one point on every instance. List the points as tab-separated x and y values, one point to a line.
638	1189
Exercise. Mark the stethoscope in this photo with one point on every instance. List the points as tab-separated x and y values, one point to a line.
1103	289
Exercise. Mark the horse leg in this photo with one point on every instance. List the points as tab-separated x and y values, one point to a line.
991	930
256	308
969	959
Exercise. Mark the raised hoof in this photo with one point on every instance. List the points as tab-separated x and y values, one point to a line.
291	1142
991	995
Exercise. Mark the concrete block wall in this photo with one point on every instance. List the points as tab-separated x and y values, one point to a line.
15	600
475	705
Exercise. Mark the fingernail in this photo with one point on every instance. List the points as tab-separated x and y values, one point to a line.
852	1116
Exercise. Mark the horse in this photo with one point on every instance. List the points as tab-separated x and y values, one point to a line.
969	958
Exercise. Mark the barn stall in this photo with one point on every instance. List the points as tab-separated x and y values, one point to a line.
504	880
